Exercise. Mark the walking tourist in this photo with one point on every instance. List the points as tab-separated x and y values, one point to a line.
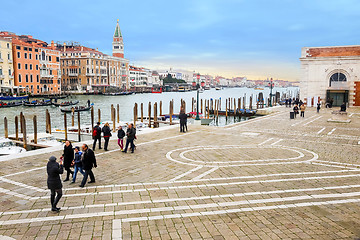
318	107
88	161
183	120
121	135
130	136
302	110
54	170
296	110
77	163
286	102
68	158
107	134
97	135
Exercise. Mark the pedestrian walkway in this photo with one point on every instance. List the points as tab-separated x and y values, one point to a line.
266	178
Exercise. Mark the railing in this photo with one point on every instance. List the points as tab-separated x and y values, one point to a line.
10	60
90	74
2	76
73	74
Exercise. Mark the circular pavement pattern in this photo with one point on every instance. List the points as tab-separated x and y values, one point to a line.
236	155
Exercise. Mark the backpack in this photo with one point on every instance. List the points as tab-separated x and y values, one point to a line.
95	132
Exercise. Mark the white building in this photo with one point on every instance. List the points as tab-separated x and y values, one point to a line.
330	73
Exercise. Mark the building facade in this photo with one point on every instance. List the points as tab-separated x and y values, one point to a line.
6	66
330	73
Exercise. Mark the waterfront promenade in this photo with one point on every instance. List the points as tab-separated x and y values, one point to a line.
266	178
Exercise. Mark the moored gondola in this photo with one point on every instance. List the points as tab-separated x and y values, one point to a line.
11	104
37	103
65	104
76	109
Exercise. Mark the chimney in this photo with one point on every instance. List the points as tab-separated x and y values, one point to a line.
64	46
82	48
52	44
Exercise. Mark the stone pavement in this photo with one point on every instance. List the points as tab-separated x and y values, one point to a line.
266	178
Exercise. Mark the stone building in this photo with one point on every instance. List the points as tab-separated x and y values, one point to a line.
330	73
6	66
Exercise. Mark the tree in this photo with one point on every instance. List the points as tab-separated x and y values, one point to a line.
170	79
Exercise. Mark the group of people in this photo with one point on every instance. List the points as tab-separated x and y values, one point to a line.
82	161
296	109
130	136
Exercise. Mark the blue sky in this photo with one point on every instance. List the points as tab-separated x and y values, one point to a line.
253	38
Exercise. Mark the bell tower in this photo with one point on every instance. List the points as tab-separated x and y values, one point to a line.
118	44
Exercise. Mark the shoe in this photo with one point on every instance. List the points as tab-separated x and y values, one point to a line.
91	182
100	148
55	209
124	151
132	151
72	182
66	180
106	150
81	186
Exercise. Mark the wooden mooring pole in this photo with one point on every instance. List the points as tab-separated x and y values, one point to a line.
160	108
114	121
6	127
99	115
35	129
149	109
65	127
92	119
155	115
142	112
72	116
16	128
170	112
21	126
49	117
118	113
23	123
79	129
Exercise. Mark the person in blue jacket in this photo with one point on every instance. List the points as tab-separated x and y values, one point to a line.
77	163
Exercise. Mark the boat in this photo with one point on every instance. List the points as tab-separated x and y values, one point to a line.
259	88
57	97
10	104
36	103
45	139
117	93
65	104
11	98
157	90
181	89
76	109
8	147
218	88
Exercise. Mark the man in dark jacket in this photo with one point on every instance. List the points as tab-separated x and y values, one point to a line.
183	120
130	133
68	158
97	135
107	134
54	182
88	162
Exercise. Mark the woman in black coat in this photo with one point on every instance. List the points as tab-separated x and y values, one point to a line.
68	158
54	170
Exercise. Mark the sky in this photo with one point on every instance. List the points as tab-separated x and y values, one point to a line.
254	38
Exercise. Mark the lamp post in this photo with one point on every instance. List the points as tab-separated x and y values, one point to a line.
197	98
271	85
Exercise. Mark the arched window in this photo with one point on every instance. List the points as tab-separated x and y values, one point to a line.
337	77
43	56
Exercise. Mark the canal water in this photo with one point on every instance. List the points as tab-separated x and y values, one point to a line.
126	106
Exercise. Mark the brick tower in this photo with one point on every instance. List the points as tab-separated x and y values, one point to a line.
118	44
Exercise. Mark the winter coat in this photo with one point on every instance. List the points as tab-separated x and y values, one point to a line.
54	170
131	132
68	156
107	132
88	159
121	134
302	108
98	132
183	118
77	159
296	110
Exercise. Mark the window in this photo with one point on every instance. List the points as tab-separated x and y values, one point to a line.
18	47
43	56
25	48
31	79
36	50
26	78
116	47
30	66
337	77
18	54
37	78
0	71
9	72
37	67
25	55
26	66
57	59
30	56
50	72
8	45
30	49
50	58
19	65
9	56
20	79
36	56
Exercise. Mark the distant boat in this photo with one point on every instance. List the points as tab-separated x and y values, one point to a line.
76	109
64	104
181	89
11	98
218	88
259	88
8	147
38	103
156	91
10	104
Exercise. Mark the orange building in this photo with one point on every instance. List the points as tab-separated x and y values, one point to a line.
36	65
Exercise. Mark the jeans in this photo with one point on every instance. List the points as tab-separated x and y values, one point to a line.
106	143
88	173
302	114
94	145
121	143
131	142
76	169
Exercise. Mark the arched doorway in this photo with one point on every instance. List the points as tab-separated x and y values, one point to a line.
338	91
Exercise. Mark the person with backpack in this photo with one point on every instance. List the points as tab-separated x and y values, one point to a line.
131	135
97	135
88	161
107	134
296	110
318	107
54	170
77	163
68	158
121	135
183	120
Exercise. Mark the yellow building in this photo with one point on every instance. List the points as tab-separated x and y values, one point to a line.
6	66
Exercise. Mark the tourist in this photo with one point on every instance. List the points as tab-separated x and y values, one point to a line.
286	102
289	102
68	158
54	170
121	135
318	107
77	163
296	110
302	110
183	120
88	161
97	135
343	107
107	134
130	136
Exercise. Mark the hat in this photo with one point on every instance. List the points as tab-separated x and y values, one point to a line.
77	148
52	158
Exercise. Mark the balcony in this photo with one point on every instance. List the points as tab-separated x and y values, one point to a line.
90	74
42	76
11	77
10	60
2	76
1	60
73	74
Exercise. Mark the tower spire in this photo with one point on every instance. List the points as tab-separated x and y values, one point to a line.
118	44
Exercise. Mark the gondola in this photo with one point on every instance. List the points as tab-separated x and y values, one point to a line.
65	104
76	109
57	97
13	104
37	104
